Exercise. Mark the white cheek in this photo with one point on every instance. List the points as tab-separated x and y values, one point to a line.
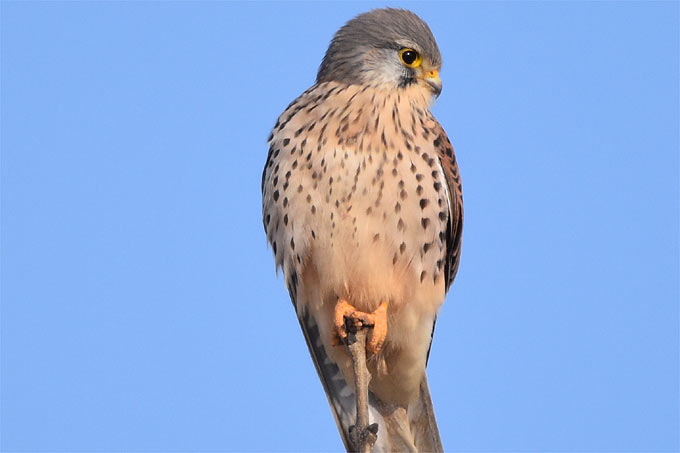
385	71
381	67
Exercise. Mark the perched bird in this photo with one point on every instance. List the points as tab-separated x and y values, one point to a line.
362	204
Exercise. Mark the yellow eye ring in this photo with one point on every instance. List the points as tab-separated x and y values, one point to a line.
410	58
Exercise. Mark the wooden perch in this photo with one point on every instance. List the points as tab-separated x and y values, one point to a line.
361	434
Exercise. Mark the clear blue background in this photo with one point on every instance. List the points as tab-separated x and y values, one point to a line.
140	308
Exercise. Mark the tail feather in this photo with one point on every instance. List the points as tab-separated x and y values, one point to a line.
399	429
340	395
423	422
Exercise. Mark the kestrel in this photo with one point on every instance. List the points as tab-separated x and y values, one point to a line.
362	204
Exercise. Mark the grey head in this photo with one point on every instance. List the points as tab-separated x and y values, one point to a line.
388	47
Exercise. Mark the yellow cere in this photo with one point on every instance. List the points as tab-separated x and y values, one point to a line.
433	74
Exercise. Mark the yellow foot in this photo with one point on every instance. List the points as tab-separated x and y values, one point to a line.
346	313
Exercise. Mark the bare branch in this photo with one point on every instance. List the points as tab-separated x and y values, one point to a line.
361	434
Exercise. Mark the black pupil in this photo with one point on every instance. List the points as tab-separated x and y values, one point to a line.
409	56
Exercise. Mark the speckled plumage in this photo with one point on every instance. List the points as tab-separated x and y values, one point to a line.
362	201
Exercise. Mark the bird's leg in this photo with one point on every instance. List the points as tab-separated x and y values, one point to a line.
348	316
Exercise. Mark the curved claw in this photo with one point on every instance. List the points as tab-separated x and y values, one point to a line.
342	310
345	312
379	331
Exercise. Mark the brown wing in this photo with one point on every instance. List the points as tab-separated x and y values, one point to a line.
454	231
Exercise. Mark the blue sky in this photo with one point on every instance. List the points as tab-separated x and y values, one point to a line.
140	307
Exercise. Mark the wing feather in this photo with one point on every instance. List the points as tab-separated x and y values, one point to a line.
454	231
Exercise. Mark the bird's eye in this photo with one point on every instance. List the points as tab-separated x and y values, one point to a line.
410	57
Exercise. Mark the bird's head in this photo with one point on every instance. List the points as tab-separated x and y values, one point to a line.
385	48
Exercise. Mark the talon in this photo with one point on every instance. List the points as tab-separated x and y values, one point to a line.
379	331
344	312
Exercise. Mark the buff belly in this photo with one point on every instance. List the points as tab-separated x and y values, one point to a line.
377	256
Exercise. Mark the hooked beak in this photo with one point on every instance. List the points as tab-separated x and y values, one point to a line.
432	79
